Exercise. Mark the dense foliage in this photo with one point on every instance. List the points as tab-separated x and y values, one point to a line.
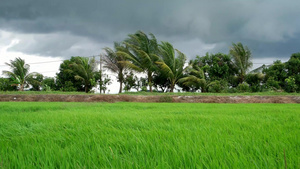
77	74
141	62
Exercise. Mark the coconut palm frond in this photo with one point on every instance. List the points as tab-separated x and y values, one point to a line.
165	69
131	66
77	77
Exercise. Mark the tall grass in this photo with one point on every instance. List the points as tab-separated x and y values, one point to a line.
149	135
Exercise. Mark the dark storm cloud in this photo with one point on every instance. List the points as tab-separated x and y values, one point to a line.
270	28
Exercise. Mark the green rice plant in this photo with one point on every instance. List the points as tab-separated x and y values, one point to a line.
149	135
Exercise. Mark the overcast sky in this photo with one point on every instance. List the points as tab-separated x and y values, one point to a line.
50	30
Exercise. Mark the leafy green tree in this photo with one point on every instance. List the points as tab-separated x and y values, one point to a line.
113	62
293	65
241	58
130	81
277	74
77	74
171	65
141	54
65	80
217	66
20	73
293	69
141	84
159	81
104	80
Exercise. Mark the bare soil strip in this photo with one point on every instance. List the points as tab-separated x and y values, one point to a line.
131	98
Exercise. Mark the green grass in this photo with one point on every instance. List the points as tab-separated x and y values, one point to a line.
153	93
216	94
44	93
149	135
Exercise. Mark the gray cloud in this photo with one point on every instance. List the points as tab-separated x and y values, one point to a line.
270	28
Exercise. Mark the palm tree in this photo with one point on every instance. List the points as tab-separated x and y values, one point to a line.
194	78
20	73
85	69
113	62
141	54
170	65
241	58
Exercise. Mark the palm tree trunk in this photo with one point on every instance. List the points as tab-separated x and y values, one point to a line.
21	87
121	78
86	88
150	80
172	88
120	90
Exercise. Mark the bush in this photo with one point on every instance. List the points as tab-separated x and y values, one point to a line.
215	87
218	86
144	88
290	85
232	90
5	85
272	84
254	80
243	87
46	88
68	87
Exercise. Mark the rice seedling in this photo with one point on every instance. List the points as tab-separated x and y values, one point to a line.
149	135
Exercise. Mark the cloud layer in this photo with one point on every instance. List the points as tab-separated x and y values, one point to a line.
270	28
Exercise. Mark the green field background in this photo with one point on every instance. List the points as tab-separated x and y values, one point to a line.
149	135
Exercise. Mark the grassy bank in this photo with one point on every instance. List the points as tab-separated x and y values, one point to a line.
153	93
215	94
149	135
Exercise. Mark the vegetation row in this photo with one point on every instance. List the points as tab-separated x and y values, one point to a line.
162	68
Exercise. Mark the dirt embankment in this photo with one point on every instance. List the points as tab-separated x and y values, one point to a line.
133	98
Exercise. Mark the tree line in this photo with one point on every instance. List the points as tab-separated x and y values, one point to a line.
162	68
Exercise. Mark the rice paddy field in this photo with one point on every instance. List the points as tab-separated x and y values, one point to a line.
149	135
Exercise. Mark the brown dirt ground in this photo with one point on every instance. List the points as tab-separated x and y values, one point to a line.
132	98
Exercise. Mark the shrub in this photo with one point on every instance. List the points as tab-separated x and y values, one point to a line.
46	88
68	87
214	87
290	85
144	88
232	90
5	85
272	84
243	87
